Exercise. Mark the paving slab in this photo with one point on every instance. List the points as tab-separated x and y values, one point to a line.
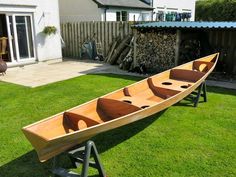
43	73
228	85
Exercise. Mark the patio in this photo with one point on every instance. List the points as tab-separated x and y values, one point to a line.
44	73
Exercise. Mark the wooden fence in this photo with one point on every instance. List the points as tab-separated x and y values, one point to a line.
104	33
224	41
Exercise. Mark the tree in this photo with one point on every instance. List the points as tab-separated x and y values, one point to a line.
216	10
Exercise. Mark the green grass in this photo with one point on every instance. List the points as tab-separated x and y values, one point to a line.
180	141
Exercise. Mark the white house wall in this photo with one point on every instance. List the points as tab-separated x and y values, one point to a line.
45	12
79	10
180	5
137	14
110	15
134	16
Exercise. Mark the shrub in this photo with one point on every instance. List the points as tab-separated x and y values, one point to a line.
216	10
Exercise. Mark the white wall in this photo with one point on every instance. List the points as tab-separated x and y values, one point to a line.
176	4
79	10
45	12
111	14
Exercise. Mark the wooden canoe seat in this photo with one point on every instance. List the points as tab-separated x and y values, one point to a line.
186	75
202	66
139	101
164	93
146	94
136	89
141	95
110	109
77	122
167	87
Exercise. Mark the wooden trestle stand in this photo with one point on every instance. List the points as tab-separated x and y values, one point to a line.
81	155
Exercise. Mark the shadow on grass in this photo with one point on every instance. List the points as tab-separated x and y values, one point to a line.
107	140
28	165
188	101
119	76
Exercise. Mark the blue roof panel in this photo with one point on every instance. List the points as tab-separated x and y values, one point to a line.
199	25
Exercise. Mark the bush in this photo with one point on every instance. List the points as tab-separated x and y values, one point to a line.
216	10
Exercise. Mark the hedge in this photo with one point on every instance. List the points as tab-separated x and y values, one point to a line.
216	10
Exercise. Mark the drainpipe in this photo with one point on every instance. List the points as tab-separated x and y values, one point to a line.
105	16
152	3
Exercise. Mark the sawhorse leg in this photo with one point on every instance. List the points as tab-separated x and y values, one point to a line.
201	88
91	149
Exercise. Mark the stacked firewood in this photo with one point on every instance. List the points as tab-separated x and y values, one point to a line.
156	50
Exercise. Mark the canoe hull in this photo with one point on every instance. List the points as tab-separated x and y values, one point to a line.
48	148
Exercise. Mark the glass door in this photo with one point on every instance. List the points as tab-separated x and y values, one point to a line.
21	40
24	37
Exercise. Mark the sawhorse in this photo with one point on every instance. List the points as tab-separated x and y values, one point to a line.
81	155
200	92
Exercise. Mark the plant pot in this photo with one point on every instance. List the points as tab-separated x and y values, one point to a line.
3	66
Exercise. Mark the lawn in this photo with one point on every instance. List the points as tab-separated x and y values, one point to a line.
180	141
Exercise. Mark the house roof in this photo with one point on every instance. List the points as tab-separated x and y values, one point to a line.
188	25
137	4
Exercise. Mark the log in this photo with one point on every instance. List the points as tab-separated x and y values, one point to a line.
112	48
123	55
119	49
127	61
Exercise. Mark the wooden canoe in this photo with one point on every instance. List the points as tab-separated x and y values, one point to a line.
61	132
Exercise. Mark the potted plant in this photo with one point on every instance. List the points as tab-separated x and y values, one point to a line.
48	30
3	47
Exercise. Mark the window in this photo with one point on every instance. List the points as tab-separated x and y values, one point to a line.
160	16
118	16
124	16
121	16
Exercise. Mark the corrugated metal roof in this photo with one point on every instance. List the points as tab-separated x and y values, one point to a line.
124	3
198	25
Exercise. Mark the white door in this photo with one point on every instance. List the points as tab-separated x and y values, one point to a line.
21	39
